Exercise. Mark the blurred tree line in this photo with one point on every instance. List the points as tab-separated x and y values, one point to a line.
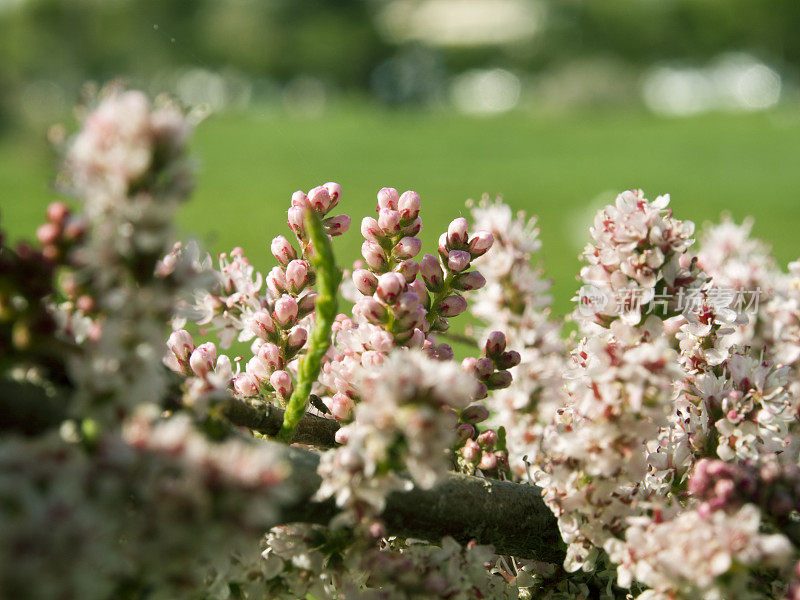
65	42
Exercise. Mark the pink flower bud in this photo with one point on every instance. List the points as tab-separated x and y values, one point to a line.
203	358
373	255
481	391
282	250
276	281
406	304
469	364
389	221
299	199
341	407
295	220
465	431
458	260
285	310
499	380
409	269
319	199
306	303
297	275
484	367
457	233
381	340
370	229
443	351
334	191
271	354
390	286
413	228
453	305
181	344
471	280
488	439
474	413
57	212
365	281
337	225
480	243
387	198
407	247
281	381
471	452
431	272
372	359
297	338
488	462
409	205
258	368
495	344
418	287
262	325
245	385
47	233
509	359
372	310
417	339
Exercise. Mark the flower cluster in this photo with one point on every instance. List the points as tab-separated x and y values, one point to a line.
405	422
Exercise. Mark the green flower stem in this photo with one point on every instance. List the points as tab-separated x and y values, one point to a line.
328	279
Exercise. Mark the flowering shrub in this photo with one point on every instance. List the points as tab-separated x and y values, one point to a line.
652	454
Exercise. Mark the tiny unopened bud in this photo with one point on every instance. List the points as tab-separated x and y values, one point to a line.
297	275
458	260
365	281
370	229
388	198
495	344
481	391
203	358
181	344
245	384
258	368
471	280
306	303
337	225
453	305
409	205
272	355
319	199
413	228
389	221
390	286
480	243
484	367
285	310
471	452
508	359
499	380
334	191
262	325
57	212
281	382
431	272
276	281
47	233
465	431
296	339
372	310
488	462
407	247
299	199
457	233
373	255
295	220
409	269
474	413
282	250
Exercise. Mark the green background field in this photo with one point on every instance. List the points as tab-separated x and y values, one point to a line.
559	168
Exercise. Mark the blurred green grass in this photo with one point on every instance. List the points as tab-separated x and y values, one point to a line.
559	168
